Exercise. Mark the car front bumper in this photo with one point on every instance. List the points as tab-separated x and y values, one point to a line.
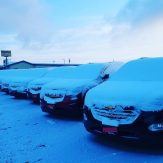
67	107
137	130
17	94
34	97
6	90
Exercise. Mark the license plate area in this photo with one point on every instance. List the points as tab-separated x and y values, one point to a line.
50	107
34	96
110	130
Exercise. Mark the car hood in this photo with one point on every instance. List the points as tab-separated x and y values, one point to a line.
22	81
40	81
66	84
144	95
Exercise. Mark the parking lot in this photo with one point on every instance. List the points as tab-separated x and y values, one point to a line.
28	135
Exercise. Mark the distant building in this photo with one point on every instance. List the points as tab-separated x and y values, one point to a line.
25	65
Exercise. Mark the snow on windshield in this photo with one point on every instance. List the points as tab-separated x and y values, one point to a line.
86	71
147	69
34	72
59	72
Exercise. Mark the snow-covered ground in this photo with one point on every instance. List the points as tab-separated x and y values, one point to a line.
28	135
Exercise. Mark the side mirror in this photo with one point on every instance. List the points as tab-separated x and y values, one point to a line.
105	77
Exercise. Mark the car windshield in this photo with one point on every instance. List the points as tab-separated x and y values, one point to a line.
59	72
147	69
87	71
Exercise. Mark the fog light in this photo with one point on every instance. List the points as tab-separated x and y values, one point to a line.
156	127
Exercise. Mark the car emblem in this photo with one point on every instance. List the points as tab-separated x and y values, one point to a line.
118	107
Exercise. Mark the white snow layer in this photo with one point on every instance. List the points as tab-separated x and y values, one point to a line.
21	77
138	83
59	72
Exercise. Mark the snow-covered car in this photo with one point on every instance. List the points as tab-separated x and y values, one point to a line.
18	86
130	104
34	87
66	96
5	77
1	77
2	74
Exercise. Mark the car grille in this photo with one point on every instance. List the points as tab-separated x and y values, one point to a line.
121	114
54	95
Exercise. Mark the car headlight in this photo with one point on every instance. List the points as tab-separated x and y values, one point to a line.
156	127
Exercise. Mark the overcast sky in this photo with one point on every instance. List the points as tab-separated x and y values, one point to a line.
83	30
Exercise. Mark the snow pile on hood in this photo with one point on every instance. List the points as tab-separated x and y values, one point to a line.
67	84
69	87
138	83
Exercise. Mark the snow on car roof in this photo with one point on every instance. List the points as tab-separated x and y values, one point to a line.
88	71
146	69
36	72
22	74
59	72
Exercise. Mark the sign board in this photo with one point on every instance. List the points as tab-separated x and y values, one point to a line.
5	53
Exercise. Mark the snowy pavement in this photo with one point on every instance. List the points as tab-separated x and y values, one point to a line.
28	135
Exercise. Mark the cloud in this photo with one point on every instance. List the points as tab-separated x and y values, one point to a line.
136	31
27	19
138	11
